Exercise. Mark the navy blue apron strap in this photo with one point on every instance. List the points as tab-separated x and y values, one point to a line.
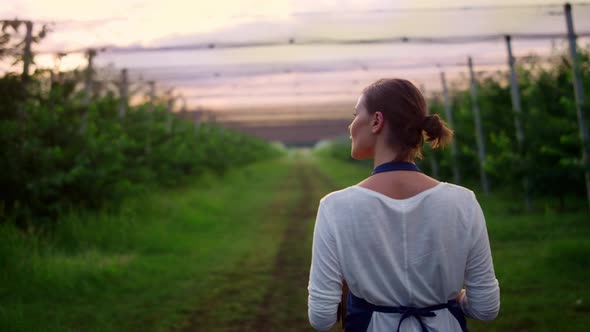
359	313
459	315
406	315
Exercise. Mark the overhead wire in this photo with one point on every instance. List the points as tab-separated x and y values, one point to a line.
467	39
326	41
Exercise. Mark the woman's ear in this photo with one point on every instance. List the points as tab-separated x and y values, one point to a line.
378	122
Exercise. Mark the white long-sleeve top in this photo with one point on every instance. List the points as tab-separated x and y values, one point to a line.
418	252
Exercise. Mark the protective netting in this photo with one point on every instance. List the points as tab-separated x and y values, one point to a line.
322	55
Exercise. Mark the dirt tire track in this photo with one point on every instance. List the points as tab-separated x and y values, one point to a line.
284	307
284	304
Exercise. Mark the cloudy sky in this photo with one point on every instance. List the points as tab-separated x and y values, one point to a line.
323	52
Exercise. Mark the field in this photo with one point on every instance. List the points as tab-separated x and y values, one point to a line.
233	254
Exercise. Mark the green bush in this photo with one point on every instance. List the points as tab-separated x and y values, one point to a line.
49	165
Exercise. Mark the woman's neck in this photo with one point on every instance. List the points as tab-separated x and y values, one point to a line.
384	155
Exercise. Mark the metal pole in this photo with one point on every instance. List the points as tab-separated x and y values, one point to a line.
197	119
150	115
515	93
27	59
124	93
579	94
433	161
449	116
478	131
51	80
27	54
170	110
211	118
516	105
88	88
183	100
152	85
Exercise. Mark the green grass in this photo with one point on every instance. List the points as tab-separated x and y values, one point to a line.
542	264
542	260
145	269
204	255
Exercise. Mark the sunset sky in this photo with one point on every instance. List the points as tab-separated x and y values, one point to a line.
287	74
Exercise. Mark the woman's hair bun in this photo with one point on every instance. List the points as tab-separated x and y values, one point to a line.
437	131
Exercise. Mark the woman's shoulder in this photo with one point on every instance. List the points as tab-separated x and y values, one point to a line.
338	196
463	200
447	192
457	191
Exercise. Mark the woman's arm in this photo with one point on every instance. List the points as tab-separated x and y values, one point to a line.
325	279
482	298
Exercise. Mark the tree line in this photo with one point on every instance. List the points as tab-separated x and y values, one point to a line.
49	166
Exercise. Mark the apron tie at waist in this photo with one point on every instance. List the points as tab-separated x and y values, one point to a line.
359	313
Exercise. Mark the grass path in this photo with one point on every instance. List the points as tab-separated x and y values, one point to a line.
271	295
285	304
